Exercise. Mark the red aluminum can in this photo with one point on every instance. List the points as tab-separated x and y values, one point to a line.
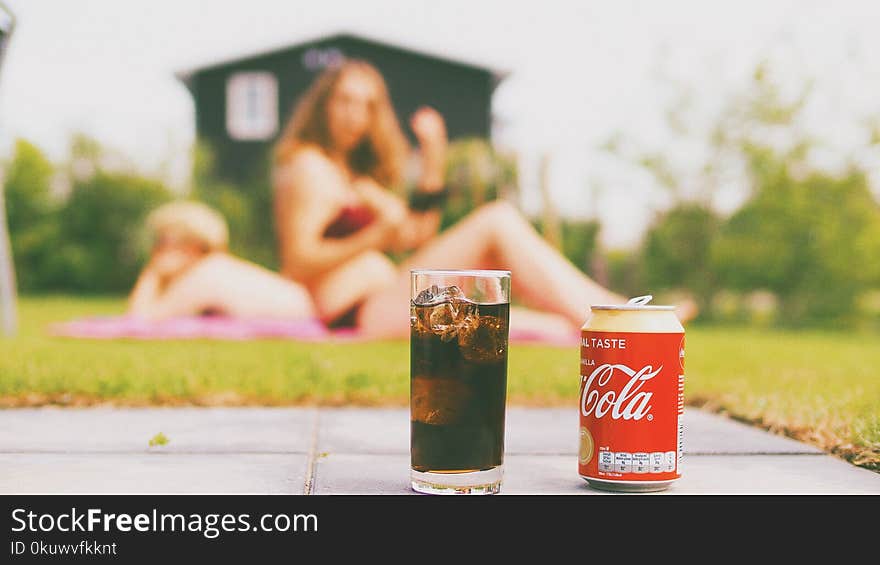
631	397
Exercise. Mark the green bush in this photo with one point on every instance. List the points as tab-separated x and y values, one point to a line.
92	240
579	242
27	187
101	233
476	173
812	241
30	211
626	273
803	248
676	251
246	207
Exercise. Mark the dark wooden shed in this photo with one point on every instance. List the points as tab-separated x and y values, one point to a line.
242	105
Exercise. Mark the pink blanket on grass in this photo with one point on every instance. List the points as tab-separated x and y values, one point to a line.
225	328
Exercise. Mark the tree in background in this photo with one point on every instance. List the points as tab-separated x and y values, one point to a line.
807	234
90	239
676	251
674	254
579	245
101	245
247	208
31	211
812	240
576	239
476	173
625	273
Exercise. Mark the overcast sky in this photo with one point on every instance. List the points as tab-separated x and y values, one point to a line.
580	71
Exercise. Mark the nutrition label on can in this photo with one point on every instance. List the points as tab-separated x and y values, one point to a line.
640	462
680	439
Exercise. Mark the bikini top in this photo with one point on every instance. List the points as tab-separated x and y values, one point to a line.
350	220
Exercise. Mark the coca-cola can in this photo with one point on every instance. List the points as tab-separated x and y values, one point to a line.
631	397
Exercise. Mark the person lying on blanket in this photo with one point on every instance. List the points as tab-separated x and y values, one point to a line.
190	272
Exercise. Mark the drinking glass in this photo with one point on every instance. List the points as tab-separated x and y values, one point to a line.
459	323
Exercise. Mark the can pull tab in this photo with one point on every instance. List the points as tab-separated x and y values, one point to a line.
640	300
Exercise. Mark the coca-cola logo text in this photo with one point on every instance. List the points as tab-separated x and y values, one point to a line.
629	403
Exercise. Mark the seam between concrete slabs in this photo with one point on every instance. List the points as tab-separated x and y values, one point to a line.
311	460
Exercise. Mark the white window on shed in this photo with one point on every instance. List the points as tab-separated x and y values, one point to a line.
251	106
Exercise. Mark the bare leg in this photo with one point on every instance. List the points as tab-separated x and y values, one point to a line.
337	291
235	287
494	236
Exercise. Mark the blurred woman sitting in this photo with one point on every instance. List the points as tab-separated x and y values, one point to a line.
339	167
190	272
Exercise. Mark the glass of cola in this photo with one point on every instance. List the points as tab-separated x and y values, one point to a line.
458	379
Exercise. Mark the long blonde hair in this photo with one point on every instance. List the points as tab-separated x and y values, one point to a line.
381	155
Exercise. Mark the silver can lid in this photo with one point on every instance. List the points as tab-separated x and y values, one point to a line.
637	303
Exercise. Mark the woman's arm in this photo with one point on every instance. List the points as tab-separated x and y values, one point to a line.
145	293
304	212
417	226
430	130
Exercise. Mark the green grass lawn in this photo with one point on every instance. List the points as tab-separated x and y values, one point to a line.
819	387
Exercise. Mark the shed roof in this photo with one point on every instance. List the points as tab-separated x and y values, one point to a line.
185	75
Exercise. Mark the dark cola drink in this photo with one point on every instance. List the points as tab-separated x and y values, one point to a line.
458	382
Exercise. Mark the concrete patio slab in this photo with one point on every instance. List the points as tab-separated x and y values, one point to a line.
711	434
364	451
106	473
540	431
364	430
112	430
360	473
555	474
